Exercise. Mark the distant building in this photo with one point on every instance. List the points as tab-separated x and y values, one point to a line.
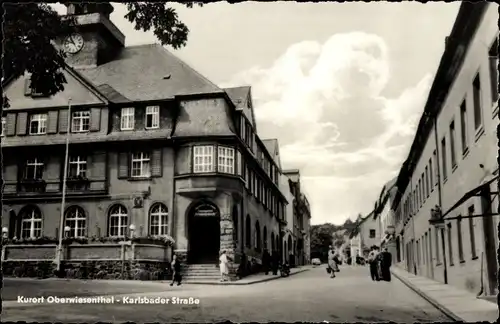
387	220
451	172
366	235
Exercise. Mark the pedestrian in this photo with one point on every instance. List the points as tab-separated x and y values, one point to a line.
224	266
372	261
332	265
266	261
275	263
385	264
176	271
243	267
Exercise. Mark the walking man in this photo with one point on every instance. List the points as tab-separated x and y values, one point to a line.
176	271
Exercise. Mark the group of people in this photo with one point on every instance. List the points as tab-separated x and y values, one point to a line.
380	264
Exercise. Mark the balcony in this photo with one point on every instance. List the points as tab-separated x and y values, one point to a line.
77	183
32	185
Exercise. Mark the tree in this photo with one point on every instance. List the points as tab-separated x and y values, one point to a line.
321	239
30	30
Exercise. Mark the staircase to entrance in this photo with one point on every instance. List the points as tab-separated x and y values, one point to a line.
201	272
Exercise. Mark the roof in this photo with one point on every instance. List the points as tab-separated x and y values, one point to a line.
148	72
464	28
272	147
111	94
293	175
242	99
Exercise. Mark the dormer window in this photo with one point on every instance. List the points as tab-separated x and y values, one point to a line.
127	119
80	121
29	91
152	117
38	124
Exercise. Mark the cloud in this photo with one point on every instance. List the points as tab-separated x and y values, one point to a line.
324	103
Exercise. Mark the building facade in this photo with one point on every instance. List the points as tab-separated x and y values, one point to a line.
366	235
446	203
387	218
296	245
156	151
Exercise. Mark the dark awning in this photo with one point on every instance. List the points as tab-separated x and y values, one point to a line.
469	194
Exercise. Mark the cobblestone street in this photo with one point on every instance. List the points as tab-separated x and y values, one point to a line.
308	296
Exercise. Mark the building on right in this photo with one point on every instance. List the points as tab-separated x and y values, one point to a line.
447	189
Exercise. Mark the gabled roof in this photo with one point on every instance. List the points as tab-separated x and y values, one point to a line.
293	175
272	147
242	99
149	72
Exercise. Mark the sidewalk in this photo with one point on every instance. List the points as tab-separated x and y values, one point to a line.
457	304
249	280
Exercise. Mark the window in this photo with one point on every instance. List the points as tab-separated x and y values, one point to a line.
77	166
159	220
38	124
459	239
257	236
476	95
80	121
225	159
436	237
152	117
493	54
127	120
203	159
248	232
264	234
372	233
31	223
452	145
427	181
422	184
436	168
472	233
118	221
234	217
450	246
418	252
76	221
4	123
34	169
141	165
463	126
443	163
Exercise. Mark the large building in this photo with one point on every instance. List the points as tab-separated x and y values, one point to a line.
156	151
387	218
365	235
447	197
297	243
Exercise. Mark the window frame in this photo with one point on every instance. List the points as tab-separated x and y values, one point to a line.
127	115
80	115
464	122
160	215
226	154
477	103
36	162
453	153
80	160
122	227
198	151
4	125
41	126
35	223
153	114
143	158
77	221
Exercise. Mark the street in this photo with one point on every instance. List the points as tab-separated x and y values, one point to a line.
307	296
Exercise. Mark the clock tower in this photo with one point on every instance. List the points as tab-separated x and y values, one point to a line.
97	39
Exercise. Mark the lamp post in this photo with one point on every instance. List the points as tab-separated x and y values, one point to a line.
63	201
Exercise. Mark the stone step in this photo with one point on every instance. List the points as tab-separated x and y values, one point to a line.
207	273
200	278
201	266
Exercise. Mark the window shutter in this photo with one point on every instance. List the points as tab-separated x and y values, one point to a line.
22	123
97	165
95	119
156	163
123	165
52	122
10	125
63	121
27	87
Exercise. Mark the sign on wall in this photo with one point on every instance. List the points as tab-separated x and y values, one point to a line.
206	210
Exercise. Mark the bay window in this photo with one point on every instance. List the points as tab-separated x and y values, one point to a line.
225	159
203	159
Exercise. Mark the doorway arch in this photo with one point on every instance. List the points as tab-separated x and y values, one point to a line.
204	233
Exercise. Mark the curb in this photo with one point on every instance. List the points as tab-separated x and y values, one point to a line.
236	283
431	300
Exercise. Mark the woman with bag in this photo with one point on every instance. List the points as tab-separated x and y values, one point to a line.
332	265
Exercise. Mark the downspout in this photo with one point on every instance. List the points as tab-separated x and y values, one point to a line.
443	249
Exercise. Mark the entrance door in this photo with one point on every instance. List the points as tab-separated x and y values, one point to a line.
204	239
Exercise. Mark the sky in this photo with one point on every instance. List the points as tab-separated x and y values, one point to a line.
340	85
